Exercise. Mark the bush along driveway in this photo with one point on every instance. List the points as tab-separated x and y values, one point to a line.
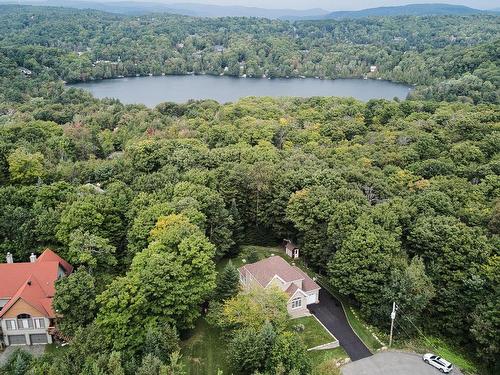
329	311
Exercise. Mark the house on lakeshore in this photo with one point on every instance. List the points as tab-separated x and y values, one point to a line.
291	249
275	271
26	292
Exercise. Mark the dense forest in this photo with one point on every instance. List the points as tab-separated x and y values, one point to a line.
447	58
388	200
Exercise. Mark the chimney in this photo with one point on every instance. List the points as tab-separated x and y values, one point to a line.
10	259
32	258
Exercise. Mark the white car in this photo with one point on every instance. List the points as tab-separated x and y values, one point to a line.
441	364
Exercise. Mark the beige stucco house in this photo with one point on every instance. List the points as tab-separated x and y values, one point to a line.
275	271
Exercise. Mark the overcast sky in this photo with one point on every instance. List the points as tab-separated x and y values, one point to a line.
334	4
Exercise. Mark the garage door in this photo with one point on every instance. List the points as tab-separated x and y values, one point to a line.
17	339
311	298
38	339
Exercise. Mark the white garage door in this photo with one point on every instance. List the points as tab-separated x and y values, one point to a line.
17	339
38	339
311	298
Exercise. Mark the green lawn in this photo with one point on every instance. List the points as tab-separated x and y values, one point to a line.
325	360
53	348
320	356
204	352
314	333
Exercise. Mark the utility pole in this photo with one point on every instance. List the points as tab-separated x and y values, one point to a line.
393	317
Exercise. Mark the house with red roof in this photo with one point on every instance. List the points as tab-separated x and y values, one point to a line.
26	292
275	271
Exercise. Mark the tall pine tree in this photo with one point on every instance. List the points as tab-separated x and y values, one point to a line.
228	283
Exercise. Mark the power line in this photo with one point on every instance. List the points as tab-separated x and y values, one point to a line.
400	326
429	342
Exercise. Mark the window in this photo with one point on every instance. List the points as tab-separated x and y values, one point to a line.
11	324
39	322
24	321
296	302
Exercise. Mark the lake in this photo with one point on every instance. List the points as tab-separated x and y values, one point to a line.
157	89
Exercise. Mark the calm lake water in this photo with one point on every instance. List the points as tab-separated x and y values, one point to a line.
154	90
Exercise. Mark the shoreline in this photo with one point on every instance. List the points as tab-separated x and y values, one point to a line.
97	80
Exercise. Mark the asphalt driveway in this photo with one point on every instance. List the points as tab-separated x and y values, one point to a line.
329	311
392	363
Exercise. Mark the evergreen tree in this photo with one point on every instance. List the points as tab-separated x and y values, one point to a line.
228	283
115	364
151	365
161	341
175	367
238	226
18	363
253	256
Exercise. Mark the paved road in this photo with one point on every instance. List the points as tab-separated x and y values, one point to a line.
330	312
392	363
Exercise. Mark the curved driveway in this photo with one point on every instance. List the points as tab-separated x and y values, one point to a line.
329	311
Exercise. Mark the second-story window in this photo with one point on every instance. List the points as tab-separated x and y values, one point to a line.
11	324
24	321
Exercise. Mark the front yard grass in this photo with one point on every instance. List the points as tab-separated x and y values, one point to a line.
325	361
205	352
314	333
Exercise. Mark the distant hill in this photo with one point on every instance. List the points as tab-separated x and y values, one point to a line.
205	10
243	11
187	9
408	10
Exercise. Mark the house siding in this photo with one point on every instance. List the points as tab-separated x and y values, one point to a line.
21	307
298	312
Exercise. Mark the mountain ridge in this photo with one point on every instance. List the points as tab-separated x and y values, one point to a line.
130	7
416	9
186	9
